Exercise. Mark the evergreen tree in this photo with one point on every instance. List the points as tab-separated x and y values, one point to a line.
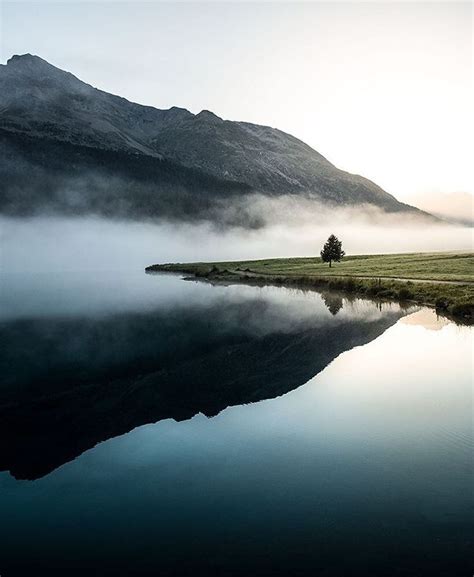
332	250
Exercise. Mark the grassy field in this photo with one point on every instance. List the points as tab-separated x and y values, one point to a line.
427	266
378	276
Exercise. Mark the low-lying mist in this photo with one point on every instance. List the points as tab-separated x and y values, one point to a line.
288	227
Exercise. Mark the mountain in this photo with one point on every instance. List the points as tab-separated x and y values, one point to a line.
71	148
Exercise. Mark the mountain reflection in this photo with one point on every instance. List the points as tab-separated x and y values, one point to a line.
71	382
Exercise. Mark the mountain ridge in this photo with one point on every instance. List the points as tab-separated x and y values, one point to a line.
38	100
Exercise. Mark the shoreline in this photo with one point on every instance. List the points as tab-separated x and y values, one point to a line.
454	300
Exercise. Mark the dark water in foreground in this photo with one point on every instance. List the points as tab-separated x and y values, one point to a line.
160	427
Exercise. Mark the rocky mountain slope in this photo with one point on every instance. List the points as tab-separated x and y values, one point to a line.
72	148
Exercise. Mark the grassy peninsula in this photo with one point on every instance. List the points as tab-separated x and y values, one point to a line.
441	280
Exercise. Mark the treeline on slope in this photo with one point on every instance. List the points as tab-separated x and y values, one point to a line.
45	176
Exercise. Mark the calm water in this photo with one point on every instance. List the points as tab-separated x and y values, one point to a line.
154	426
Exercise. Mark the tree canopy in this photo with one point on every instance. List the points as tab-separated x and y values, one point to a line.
332	250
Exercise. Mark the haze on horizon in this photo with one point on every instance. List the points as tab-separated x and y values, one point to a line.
383	90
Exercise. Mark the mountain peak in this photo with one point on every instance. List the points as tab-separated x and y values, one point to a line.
208	115
28	61
32	68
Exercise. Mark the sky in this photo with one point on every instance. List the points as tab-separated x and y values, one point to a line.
382	89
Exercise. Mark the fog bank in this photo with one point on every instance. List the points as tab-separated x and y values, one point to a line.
50	243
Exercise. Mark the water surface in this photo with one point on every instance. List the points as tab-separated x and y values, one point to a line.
151	426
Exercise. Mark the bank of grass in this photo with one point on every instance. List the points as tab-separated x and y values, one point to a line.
375	276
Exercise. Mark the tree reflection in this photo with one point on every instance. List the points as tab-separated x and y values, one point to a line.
333	302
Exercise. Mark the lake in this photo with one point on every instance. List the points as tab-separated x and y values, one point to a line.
155	426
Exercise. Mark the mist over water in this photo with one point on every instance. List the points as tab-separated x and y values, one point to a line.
91	243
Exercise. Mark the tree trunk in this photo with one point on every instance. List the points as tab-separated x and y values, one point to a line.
329	264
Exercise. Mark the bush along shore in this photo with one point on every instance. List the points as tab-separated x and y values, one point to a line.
453	299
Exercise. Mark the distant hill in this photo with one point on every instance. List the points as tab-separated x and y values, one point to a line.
70	148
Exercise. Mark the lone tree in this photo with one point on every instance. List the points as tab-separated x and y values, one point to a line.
332	250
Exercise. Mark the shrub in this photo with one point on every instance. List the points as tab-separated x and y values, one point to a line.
351	285
464	309
386	293
373	290
405	294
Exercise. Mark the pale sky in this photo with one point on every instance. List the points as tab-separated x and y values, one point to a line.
381	89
